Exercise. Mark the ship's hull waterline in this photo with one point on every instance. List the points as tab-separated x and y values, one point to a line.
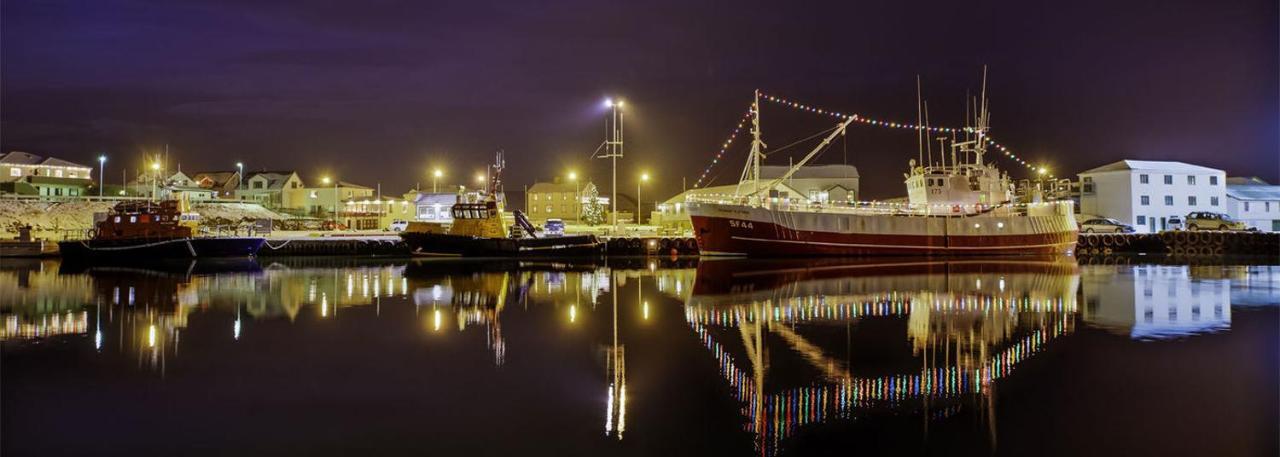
739	230
179	248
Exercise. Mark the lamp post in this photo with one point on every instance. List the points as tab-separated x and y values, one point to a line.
644	177
155	176
614	149
102	178
577	197
239	178
435	177
326	180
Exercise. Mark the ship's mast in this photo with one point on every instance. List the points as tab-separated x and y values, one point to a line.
751	171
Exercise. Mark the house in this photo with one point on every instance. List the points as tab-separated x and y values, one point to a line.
324	200
553	200
1254	202
222	183
1147	193
268	187
815	183
30	174
366	213
158	185
432	206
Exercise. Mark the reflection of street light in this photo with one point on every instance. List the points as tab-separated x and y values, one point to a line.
102	177
435	176
644	178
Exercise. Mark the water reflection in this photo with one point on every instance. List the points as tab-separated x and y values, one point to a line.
797	343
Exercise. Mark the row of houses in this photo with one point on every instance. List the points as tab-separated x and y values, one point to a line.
1149	194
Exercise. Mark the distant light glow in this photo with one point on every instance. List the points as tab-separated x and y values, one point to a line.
151	336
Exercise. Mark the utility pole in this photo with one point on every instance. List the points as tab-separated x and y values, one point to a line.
614	150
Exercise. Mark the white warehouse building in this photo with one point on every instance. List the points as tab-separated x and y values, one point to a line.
1254	202
1147	193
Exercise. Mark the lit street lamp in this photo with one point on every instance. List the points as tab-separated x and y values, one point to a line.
577	197
155	176
239	178
102	178
435	176
644	178
326	180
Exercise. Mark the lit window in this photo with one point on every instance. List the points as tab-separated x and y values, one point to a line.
57	173
314	194
535	197
15	171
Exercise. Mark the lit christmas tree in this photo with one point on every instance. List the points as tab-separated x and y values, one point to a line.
592	210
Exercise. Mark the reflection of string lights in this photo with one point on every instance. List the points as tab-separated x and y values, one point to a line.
802	309
787	411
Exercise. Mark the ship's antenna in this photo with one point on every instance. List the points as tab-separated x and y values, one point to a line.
928	144
751	171
984	120
919	124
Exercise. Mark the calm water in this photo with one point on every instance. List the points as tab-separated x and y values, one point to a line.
730	357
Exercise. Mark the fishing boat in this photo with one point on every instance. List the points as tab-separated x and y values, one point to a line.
479	230
961	206
145	230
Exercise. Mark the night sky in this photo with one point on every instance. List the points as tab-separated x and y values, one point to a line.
383	91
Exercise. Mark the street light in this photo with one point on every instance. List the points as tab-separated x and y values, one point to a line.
239	178
102	178
326	180
577	197
435	176
613	149
155	176
644	178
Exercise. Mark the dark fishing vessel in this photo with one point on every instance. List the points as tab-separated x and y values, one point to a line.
478	230
154	230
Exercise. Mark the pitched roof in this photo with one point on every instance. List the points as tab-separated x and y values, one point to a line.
1252	181
219	178
27	158
810	171
1253	192
554	187
1152	165
20	158
275	179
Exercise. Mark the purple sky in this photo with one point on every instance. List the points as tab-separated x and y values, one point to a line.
382	91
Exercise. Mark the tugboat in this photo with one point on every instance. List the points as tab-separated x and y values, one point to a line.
964	206
153	231
478	230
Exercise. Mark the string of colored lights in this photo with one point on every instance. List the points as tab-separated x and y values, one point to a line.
724	147
860	119
897	125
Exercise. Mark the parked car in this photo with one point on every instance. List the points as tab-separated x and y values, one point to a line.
1204	220
398	225
1175	223
553	227
1105	225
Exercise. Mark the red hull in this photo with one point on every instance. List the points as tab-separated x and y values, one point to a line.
715	235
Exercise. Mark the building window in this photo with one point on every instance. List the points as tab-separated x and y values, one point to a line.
1213	201
1191	180
1246	206
15	171
313	194
1142	220
1168	179
535	197
1146	200
1191	201
1168	200
549	209
1144	179
57	173
1266	206
1213	180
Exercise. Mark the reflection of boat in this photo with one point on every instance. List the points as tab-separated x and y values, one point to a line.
959	207
478	230
146	230
967	323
